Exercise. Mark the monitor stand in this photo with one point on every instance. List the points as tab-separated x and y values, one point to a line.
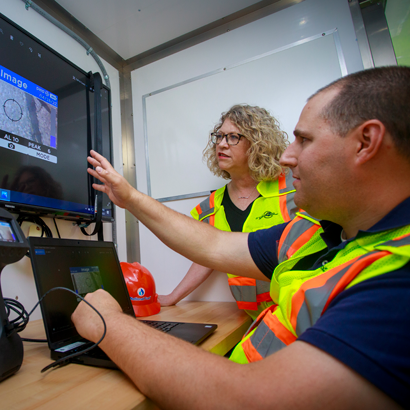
13	246
11	346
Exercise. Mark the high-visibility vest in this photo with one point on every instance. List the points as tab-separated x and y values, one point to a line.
301	296
274	206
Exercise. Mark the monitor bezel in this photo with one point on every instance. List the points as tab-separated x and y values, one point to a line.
43	211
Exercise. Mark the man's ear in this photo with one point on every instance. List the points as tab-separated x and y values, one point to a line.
369	137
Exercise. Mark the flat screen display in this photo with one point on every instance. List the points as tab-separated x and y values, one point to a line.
82	266
6	232
44	119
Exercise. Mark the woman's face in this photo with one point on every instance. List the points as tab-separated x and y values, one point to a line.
232	158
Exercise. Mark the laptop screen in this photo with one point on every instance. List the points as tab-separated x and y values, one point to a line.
81	265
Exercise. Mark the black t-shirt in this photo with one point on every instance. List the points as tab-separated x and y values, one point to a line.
235	216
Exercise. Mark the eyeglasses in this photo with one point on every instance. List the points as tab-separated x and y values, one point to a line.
231	138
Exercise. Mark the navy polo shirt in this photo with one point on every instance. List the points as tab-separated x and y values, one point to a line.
367	327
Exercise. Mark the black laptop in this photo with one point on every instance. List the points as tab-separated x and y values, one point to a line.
85	266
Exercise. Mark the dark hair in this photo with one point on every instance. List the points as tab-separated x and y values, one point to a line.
379	93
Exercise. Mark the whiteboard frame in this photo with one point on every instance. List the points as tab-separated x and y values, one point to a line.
343	69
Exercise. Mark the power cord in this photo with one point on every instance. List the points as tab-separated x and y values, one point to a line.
24	339
20	322
38	221
55	224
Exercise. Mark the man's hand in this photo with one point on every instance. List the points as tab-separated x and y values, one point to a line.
115	186
88	324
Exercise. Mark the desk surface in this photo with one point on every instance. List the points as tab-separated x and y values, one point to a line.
85	387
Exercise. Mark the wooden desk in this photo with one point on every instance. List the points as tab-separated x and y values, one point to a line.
85	387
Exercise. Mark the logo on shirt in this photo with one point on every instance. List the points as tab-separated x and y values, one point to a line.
267	215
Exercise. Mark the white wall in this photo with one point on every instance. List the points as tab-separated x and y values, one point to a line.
276	81
288	26
17	279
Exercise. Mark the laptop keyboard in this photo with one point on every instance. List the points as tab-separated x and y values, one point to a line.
162	326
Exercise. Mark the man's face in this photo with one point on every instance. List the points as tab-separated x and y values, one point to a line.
319	160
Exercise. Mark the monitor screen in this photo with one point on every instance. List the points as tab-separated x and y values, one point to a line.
43	128
6	232
82	266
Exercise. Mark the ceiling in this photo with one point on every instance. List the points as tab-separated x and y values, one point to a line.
136	32
131	27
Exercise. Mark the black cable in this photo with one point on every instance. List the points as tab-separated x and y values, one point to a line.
96	197
20	322
24	339
65	360
55	224
38	221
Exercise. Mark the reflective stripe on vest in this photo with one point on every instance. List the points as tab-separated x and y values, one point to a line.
207	208
248	292
252	294
279	326
270	337
286	202
296	234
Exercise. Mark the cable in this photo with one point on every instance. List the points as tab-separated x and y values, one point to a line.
55	224
89	51
88	48
24	339
19	323
65	360
38	221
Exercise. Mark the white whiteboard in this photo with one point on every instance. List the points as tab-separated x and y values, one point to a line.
178	119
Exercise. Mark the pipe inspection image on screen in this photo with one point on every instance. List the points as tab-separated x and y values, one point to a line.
28	117
47	109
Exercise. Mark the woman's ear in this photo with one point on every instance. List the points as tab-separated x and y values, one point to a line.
369	137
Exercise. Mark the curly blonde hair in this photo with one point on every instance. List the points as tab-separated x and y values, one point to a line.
267	142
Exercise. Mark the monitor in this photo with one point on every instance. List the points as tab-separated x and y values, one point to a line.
45	114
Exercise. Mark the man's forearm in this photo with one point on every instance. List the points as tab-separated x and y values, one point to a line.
173	373
197	241
178	375
179	232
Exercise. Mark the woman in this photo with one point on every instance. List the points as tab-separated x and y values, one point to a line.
245	147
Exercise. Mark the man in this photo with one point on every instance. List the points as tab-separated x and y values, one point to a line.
351	161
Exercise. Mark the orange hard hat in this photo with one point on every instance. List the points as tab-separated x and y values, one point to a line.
141	287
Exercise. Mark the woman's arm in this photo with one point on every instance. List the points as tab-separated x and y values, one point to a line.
196	275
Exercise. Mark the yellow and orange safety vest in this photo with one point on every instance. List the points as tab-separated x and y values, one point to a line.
301	296
274	206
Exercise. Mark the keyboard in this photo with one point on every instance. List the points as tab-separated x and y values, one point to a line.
159	325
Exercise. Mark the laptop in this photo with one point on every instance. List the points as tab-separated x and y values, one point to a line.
85	266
